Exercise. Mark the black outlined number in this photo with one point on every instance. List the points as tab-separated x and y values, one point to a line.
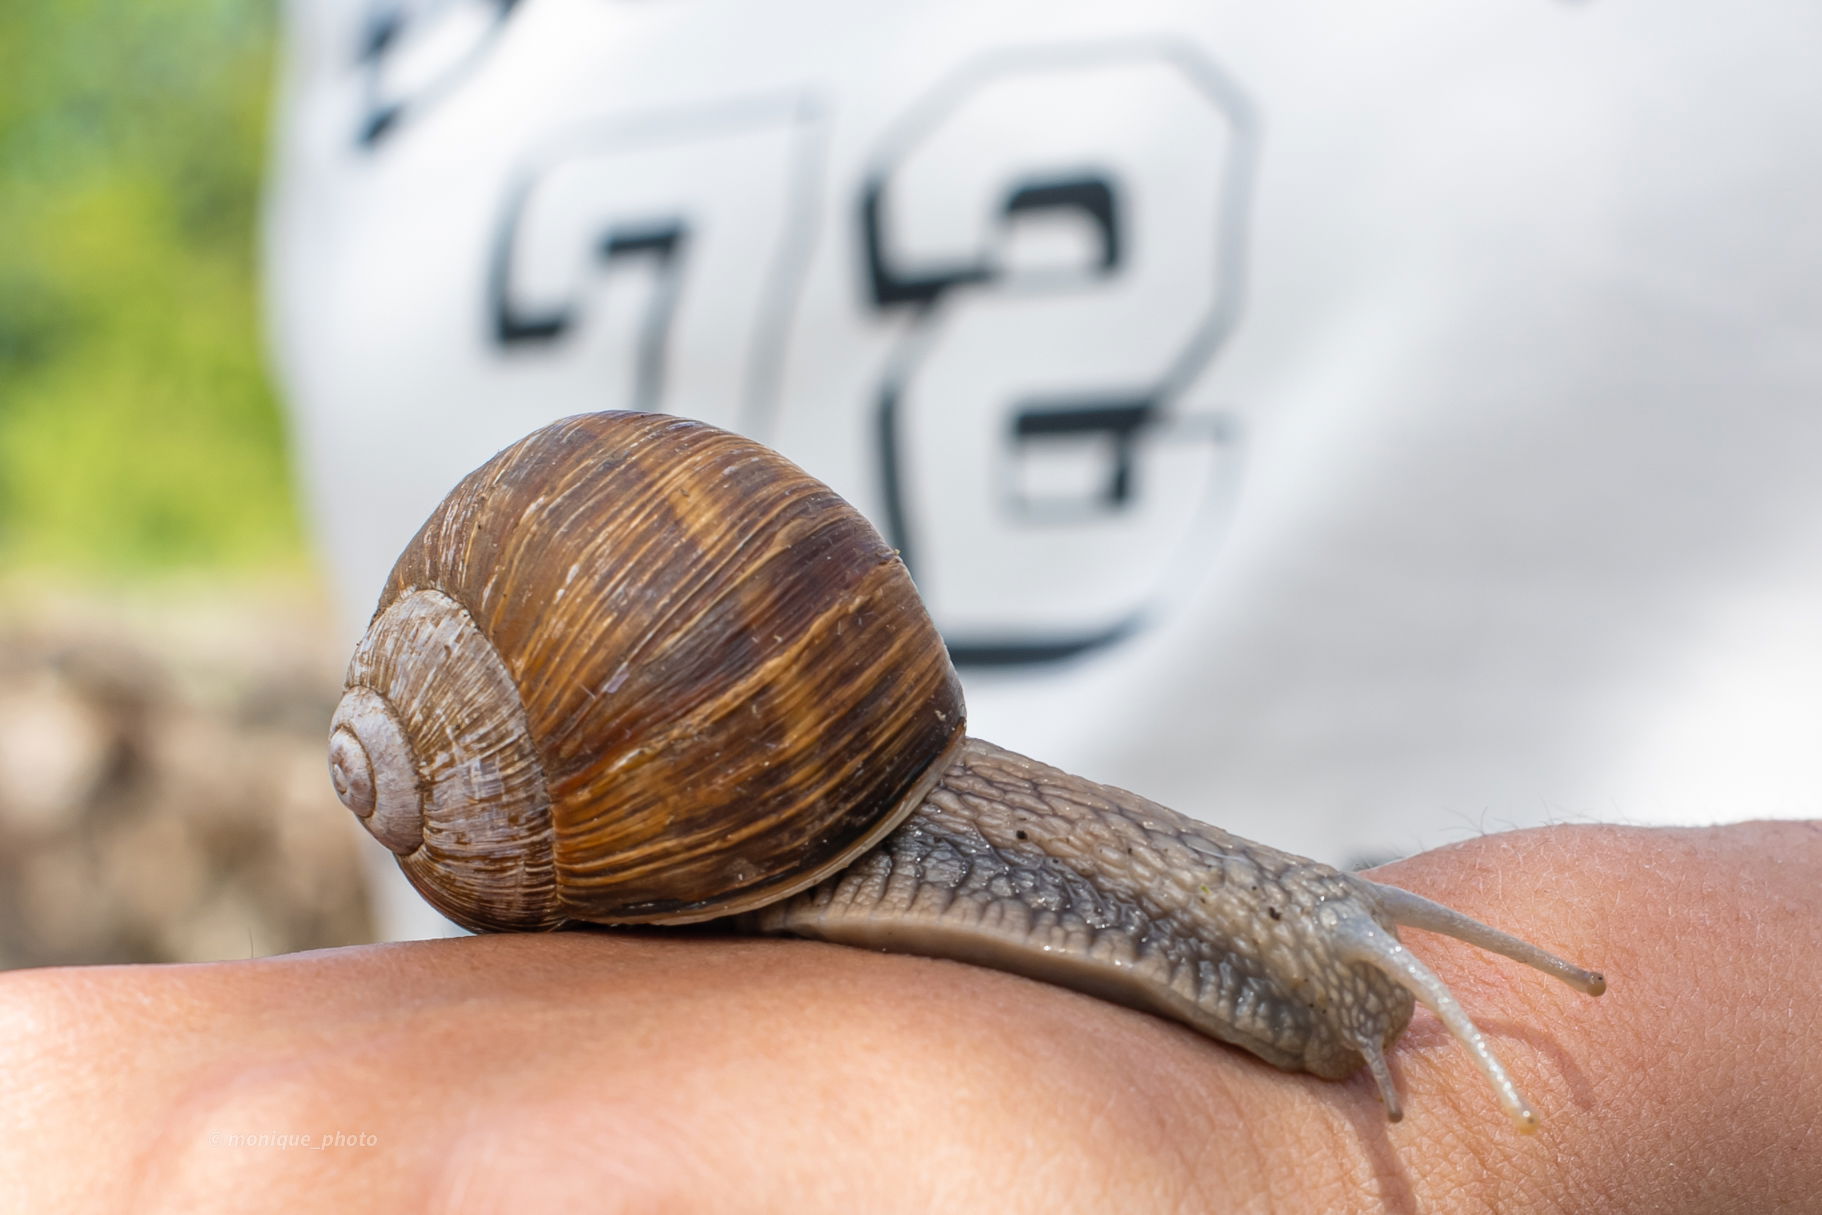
1063	233
641	247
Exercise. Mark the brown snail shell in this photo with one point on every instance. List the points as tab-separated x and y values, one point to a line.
620	599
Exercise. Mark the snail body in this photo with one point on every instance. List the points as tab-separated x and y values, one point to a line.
639	670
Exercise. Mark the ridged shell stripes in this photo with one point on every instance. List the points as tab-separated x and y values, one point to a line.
729	681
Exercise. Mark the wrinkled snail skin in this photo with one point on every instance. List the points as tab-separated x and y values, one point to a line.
1016	865
639	670
1013	864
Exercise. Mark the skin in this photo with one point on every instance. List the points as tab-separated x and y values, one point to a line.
637	1072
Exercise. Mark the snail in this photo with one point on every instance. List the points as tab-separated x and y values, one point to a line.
639	670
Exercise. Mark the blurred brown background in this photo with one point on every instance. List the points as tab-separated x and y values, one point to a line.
166	662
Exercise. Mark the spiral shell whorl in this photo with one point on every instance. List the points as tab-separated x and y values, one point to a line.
374	771
730	685
431	738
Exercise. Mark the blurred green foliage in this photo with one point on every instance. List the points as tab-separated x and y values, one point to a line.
138	431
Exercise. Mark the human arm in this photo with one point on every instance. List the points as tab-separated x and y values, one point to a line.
642	1072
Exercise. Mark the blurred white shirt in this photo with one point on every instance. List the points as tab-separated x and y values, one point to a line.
1359	425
